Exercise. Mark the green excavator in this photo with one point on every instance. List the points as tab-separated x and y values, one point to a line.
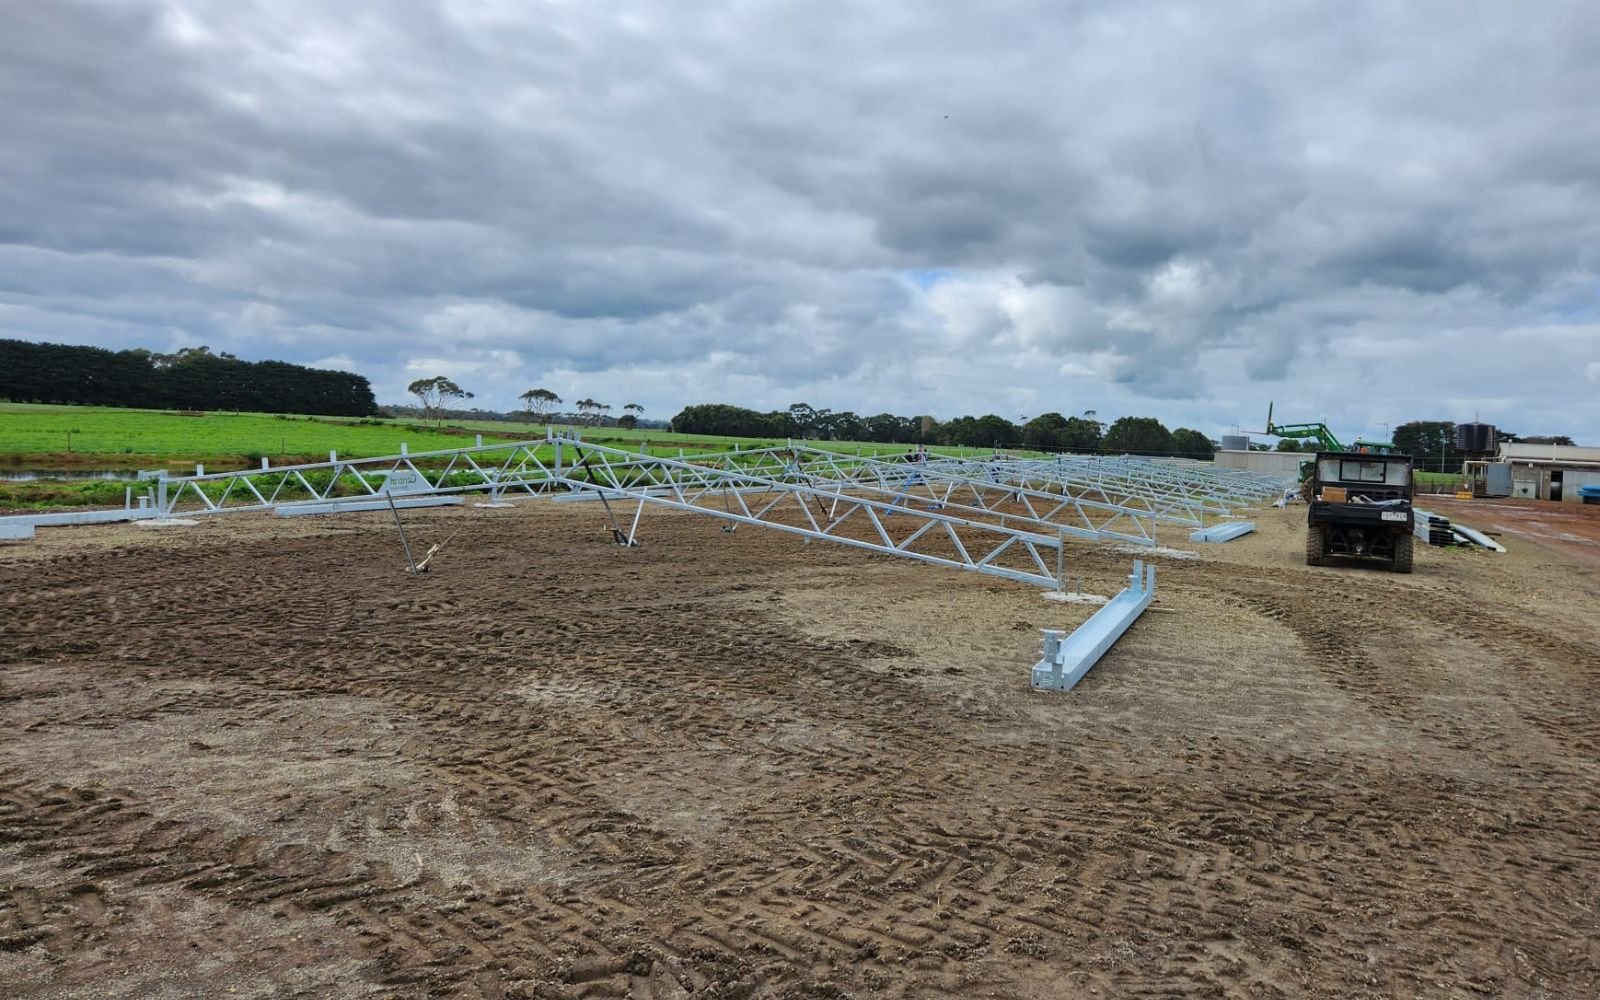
1324	437
1325	442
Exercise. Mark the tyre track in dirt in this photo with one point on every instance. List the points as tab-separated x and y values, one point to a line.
849	831
1562	668
485	774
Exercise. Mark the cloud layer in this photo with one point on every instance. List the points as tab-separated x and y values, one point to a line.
1367	214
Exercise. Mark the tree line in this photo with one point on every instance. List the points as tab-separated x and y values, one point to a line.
539	405
190	379
1047	432
1432	444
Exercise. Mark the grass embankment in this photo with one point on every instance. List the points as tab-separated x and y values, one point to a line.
67	438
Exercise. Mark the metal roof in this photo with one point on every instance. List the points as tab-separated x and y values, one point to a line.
1549	454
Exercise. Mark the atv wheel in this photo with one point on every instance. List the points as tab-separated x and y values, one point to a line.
1402	553
1314	544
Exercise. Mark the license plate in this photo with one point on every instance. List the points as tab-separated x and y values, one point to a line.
1393	515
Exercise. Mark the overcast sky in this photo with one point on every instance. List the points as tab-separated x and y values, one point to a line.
1367	212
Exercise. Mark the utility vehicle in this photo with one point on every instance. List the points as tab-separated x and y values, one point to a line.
1360	505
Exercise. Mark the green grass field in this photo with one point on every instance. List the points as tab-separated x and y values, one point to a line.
105	437
38	436
49	438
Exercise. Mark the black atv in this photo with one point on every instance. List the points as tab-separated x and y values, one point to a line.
1360	505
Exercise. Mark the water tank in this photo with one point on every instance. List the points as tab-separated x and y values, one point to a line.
1235	442
1475	438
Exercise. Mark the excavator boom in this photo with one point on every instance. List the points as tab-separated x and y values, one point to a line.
1322	435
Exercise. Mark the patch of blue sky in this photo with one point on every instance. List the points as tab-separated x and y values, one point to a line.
927	279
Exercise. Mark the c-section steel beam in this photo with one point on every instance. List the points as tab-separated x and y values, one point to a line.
1067	658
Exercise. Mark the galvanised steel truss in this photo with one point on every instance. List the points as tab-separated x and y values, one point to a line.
1109	497
1156	484
1160	489
626	483
976	489
1000	517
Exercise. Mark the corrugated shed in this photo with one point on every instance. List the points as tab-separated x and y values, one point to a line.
1549	454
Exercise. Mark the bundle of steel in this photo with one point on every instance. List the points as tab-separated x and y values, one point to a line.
1433	528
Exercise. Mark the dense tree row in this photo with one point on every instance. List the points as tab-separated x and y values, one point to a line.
1049	432
567	418
191	379
1432	443
804	421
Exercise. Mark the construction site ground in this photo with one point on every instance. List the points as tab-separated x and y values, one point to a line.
255	758
1570	528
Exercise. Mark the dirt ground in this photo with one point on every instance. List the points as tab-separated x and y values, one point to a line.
254	758
1572	529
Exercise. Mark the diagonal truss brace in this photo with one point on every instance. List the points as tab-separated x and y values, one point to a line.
831	514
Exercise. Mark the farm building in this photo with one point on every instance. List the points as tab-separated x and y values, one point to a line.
1548	471
1267	463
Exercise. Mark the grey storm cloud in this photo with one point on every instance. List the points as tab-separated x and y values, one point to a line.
1368	212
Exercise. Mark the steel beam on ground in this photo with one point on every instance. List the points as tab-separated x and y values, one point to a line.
1478	538
361	506
64	518
1225	532
1067	658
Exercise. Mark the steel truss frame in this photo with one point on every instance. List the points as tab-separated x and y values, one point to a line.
972	489
1002	517
627	483
1178	490
1160	485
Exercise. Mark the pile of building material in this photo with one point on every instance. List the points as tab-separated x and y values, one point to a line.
1435	529
1589	494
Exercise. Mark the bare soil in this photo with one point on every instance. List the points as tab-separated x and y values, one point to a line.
1569	528
255	758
